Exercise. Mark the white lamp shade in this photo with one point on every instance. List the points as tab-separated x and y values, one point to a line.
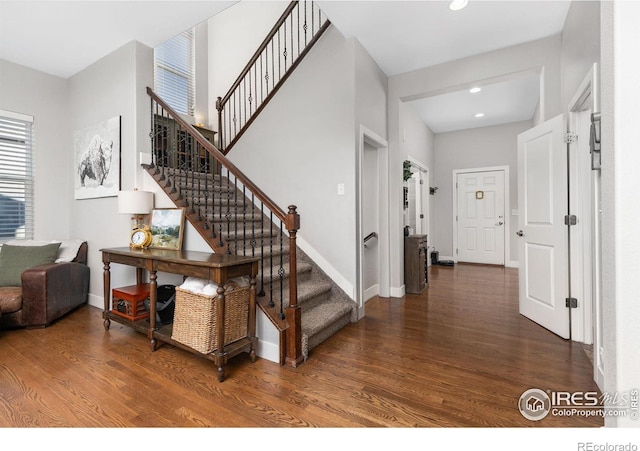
135	202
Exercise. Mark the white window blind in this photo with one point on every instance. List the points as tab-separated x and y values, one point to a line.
175	72
16	176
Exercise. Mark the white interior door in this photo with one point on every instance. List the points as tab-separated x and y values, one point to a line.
480	217
542	201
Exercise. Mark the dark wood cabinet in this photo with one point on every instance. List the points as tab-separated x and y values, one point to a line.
415	263
175	148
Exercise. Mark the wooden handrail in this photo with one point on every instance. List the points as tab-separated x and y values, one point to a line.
219	156
257	53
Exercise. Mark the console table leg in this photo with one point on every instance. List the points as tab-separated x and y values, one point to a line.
107	324
220	373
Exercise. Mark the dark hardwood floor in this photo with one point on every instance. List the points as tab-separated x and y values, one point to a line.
458	355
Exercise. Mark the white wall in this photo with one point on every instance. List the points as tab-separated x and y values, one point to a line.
234	35
621	213
542	55
302	146
113	86
45	97
417	144
580	46
474	148
370	91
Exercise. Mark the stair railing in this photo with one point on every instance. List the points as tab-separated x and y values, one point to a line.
290	39
191	169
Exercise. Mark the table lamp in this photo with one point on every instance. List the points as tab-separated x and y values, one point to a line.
136	203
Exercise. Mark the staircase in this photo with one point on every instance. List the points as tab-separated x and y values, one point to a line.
233	215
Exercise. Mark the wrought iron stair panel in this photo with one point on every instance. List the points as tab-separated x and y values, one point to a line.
291	38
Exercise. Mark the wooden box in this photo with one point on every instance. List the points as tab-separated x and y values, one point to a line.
128	302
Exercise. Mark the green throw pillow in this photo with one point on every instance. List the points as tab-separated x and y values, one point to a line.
15	259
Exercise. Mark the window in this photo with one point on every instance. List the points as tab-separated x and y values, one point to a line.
16	176
175	72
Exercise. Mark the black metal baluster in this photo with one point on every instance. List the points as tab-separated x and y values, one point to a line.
152	131
305	24
273	65
244	221
207	171
235	209
228	215
220	242
196	159
245	97
271	303
250	99
279	57
281	272
261	293
298	27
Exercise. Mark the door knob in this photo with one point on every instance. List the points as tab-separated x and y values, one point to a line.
500	223
520	233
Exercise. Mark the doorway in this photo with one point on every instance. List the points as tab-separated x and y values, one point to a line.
481	197
585	204
560	238
417	206
372	204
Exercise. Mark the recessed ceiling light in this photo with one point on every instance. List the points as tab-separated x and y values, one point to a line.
474	90
457	5
479	115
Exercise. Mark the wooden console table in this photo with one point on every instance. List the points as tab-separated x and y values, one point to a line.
218	268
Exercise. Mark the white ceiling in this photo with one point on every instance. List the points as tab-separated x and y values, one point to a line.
64	37
403	36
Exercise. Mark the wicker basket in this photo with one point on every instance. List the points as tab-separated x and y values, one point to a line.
195	318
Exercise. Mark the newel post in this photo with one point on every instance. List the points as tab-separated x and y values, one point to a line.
293	313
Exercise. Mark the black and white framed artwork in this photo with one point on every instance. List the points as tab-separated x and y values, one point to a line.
97	160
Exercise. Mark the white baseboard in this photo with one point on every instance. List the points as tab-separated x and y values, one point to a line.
371	292
327	267
96	301
513	264
397	292
268	351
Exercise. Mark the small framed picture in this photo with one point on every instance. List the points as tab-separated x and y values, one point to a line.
167	225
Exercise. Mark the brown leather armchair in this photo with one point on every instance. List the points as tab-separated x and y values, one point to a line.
48	292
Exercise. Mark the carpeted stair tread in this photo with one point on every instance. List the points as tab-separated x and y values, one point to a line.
257	233
320	316
234	218
272	272
309	292
323	321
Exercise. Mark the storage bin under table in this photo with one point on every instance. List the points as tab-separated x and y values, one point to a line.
128	301
195	321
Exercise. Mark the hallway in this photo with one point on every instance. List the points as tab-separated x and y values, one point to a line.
460	354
